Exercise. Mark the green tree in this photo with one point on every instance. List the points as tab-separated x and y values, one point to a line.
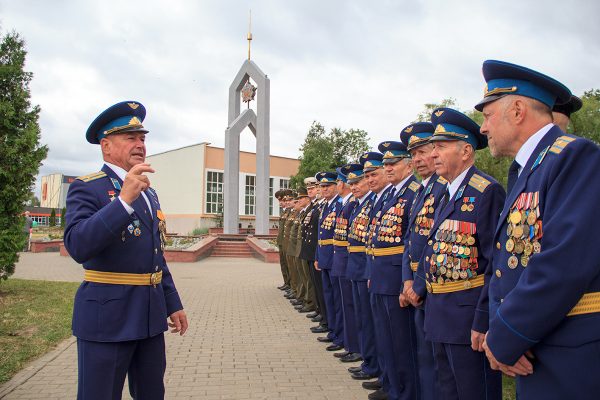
586	122
322	151
20	148
425	114
63	212
52	219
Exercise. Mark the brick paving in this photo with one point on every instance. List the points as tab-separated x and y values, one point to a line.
245	340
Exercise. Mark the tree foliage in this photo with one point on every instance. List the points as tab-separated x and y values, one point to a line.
586	122
20	149
324	151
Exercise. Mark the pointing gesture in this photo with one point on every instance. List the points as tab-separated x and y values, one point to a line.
135	182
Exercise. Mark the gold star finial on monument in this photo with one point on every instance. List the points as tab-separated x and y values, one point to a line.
249	32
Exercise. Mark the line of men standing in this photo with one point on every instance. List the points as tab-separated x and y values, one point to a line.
438	284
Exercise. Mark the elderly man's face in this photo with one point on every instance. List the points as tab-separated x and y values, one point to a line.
376	179
450	158
498	129
397	171
312	192
423	162
124	149
360	188
328	191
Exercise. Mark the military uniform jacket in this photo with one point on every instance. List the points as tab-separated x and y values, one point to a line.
340	238
458	253
374	215
287	228
326	229
358	224
282	218
545	287
386	270
101	235
296	234
420	222
310	226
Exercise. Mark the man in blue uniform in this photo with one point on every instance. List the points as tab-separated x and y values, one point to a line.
545	287
324	256
116	229
358	224
416	137
394	334
456	261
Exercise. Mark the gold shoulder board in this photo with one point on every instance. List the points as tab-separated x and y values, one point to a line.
560	143
92	177
414	186
479	182
442	180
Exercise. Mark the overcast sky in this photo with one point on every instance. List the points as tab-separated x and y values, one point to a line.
350	64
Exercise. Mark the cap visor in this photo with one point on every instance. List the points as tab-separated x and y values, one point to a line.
486	100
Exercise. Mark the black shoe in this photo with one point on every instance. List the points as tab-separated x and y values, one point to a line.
351	357
333	347
312	315
362	376
296	302
319	329
379	394
354	369
318	318
372	385
290	296
305	310
324	339
283	287
341	355
299	306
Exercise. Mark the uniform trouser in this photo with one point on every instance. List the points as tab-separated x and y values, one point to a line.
349	317
396	346
464	374
293	274
102	367
365	327
427	384
328	296
302	288
284	268
317	278
338	328
562	373
309	293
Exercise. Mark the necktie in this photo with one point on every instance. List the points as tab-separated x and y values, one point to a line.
445	199
513	174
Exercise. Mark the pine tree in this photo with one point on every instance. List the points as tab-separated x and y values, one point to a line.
20	149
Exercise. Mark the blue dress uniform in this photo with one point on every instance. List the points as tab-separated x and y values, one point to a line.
324	256
456	265
420	222
356	271
121	308
340	264
394	333
545	287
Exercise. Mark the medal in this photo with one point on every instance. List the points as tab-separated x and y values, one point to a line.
524	261
510	245
537	247
515	217
519	247
513	262
531	218
518	231
528	249
471	241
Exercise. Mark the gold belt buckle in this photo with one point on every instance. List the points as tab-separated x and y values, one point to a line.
154	279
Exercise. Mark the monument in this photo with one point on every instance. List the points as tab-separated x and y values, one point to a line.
258	122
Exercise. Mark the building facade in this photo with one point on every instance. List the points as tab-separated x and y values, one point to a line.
189	181
54	190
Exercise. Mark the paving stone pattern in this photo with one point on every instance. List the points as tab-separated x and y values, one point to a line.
245	340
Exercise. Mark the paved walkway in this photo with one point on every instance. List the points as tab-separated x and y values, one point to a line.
245	340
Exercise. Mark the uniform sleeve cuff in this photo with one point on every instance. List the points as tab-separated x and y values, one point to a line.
173	303
505	343
481	321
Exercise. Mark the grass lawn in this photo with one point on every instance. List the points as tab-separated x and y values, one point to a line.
508	388
34	317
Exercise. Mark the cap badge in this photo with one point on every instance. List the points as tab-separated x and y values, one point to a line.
408	129
133	105
439	113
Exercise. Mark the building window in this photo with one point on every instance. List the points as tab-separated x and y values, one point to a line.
214	192
284	183
271	196
249	196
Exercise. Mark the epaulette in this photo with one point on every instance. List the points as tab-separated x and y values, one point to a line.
414	186
442	180
560	143
479	182
92	177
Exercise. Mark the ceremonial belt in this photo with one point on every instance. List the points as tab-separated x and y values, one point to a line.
325	242
341	243
588	304
122	278
385	251
449	287
356	249
414	266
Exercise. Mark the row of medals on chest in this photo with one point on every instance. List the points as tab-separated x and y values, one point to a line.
390	225
454	252
524	230
360	224
341	228
424	221
328	221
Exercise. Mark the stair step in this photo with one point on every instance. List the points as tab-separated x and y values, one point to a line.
232	255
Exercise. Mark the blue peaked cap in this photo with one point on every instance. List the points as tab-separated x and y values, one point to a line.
371	160
326	178
393	151
417	134
341	176
353	172
126	116
454	125
505	78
